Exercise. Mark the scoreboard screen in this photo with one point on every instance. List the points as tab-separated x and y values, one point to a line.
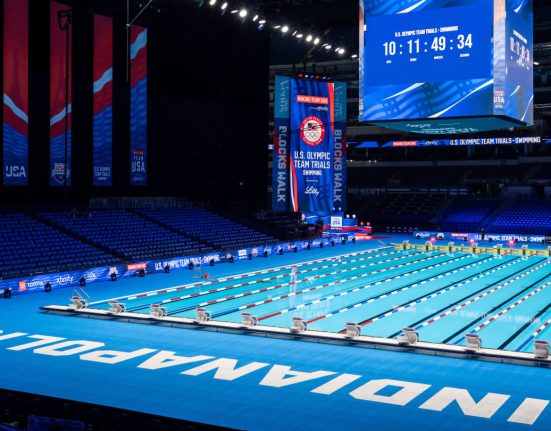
446	59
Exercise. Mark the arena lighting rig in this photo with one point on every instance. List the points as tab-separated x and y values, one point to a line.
286	30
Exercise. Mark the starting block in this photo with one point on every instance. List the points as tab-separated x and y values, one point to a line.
248	319
541	349
405	245
116	307
202	314
524	250
428	246
411	336
157	311
451	247
78	302
498	249
299	325
352	330
474	342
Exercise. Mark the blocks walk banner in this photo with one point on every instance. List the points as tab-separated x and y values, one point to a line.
138	106
309	163
16	93
60	145
103	101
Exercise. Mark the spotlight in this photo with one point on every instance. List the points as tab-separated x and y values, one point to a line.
243	13
212	2
234	11
355	56
316	40
309	38
299	36
284	29
262	22
255	18
224	5
82	281
167	268
341	51
328	47
48	287
277	26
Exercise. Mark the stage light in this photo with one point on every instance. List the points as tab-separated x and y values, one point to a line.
328	47
234	11
277	26
309	38
262	22
212	2
224	6
255	18
353	215
355	56
284	29
316	40
294	33
299	36
243	13
341	51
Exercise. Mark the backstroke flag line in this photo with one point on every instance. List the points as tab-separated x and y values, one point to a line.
16	92
138	106
58	110
103	101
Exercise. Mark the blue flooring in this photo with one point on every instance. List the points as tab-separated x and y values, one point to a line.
244	403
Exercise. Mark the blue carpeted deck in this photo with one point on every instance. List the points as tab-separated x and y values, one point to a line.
260	397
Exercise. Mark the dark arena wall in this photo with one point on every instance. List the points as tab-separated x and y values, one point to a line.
207	110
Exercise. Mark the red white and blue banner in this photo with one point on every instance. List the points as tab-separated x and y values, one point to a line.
60	157
309	163
16	92
138	106
103	101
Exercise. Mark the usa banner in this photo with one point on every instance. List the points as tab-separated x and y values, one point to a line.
138	106
312	145
280	164
103	100
16	92
60	157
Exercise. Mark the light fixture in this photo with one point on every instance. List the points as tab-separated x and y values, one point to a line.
255	18
284	29
316	40
328	47
243	13
224	6
299	36
309	38
262	22
355	56
212	2
234	11
341	51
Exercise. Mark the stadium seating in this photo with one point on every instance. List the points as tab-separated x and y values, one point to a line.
466	215
127	234
208	227
28	246
523	217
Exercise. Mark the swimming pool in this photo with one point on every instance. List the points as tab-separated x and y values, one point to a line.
505	299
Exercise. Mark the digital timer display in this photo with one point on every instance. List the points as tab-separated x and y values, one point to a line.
453	42
425	62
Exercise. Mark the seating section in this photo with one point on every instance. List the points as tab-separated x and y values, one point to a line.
208	227
466	215
523	216
28	246
127	234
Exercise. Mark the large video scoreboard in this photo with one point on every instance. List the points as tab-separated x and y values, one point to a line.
424	63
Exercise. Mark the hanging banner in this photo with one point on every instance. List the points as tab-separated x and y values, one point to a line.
103	101
60	115
16	92
312	145
280	165
339	148
138	106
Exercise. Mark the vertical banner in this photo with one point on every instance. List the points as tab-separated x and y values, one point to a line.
339	148
312	144
16	92
280	164
138	106
103	100
60	156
